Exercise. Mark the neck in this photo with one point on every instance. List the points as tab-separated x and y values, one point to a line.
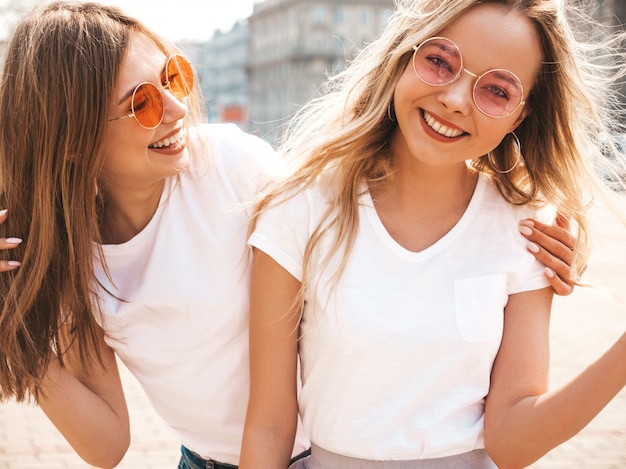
126	213
419	207
434	189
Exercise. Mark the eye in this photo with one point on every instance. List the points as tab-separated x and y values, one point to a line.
141	99
437	62
497	91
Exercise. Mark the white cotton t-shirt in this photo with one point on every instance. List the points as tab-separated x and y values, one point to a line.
396	360
180	320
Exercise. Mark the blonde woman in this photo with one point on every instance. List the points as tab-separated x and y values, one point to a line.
389	261
133	216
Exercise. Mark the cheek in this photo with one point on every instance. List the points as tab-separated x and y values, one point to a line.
408	88
123	146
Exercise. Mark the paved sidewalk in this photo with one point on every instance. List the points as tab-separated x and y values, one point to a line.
584	324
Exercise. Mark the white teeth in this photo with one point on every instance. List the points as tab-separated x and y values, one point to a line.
440	128
166	142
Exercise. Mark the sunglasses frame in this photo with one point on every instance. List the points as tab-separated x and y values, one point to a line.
474	75
188	87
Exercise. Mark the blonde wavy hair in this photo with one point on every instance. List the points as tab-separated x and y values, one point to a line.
343	137
58	80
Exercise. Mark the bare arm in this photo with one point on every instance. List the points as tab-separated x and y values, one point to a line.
552	245
88	408
270	427
523	420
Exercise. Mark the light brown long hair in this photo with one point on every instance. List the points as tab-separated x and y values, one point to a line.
58	81
344	136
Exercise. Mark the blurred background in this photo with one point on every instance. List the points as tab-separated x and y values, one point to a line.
259	60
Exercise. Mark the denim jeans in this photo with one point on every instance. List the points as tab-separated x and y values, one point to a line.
191	460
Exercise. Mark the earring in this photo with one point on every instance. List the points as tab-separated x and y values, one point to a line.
391	111
493	164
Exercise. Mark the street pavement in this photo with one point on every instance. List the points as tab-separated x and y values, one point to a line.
583	325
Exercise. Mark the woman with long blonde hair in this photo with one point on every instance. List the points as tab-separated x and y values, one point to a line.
388	261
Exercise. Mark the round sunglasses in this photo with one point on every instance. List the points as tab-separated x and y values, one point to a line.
496	93
146	103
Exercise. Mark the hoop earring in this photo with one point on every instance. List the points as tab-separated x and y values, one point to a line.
391	111
493	164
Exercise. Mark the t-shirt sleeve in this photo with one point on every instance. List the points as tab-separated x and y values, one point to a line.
246	162
533	277
283	230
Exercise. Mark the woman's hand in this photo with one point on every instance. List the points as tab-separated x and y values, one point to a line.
552	245
8	243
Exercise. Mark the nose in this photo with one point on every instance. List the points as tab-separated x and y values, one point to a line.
174	108
457	96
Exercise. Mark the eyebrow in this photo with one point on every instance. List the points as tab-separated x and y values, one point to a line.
129	93
447	48
507	76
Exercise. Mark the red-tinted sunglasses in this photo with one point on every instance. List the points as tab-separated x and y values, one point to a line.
146	104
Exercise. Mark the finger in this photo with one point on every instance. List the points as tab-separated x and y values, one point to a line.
3	215
559	267
560	287
562	221
554	239
556	231
5	266
9	243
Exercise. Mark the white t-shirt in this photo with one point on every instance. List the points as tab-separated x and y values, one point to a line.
182	325
396	360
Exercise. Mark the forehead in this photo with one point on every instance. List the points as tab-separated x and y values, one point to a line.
143	61
492	36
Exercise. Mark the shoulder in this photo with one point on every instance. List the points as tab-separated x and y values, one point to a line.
240	157
495	203
229	142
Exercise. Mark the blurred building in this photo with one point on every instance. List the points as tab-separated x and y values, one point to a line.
296	44
221	65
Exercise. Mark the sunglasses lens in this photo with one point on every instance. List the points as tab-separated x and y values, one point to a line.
437	61
498	93
147	105
179	75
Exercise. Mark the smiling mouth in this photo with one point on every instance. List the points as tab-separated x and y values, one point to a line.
169	141
439	127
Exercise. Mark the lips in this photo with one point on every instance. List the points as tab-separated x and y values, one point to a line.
168	141
440	128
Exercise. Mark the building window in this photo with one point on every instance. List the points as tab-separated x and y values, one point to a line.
386	16
319	15
340	15
365	17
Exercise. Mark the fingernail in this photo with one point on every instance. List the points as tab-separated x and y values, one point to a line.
14	263
532	247
527	222
549	272
13	240
3	212
525	230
